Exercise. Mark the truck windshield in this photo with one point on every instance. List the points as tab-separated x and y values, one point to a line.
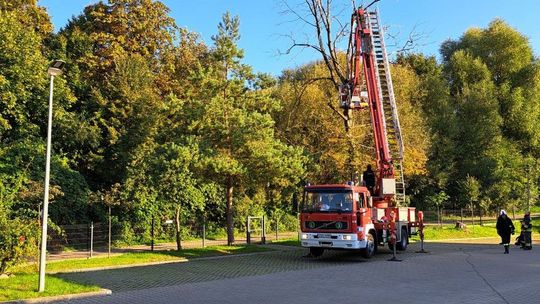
328	201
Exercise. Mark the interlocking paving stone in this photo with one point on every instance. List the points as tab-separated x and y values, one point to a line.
450	273
211	269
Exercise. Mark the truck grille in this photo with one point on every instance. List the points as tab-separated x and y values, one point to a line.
326	225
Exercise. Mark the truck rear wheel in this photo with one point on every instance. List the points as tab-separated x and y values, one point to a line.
402	245
371	247
316	251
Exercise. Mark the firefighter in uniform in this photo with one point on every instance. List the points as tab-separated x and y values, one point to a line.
505	228
369	178
526	230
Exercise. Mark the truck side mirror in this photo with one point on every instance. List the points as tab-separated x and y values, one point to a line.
370	202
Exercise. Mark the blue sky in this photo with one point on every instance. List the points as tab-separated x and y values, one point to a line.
263	26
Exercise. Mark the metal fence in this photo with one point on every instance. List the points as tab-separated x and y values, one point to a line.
91	239
465	216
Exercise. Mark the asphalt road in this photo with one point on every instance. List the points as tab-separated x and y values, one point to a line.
449	273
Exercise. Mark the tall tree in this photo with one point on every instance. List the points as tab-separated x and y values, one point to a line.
480	105
235	126
22	80
508	56
303	121
120	54
30	15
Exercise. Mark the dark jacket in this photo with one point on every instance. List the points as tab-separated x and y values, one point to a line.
526	224
505	227
369	178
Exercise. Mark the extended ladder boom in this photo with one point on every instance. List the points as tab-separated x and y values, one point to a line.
369	54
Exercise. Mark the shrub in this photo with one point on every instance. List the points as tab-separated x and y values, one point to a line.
18	240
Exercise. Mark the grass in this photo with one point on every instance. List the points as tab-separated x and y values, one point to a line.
24	284
450	232
134	258
287	242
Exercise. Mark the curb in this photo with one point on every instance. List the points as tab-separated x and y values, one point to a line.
101	292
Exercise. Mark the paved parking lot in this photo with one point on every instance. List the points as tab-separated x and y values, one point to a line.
450	273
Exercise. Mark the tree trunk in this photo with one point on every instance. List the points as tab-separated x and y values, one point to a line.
472	213
481	223
177	224
230	222
3	265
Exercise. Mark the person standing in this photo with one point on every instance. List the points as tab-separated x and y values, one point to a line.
369	178
505	228
526	230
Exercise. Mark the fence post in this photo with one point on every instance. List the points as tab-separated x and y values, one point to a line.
472	213
248	236
203	231
152	234
442	212
88	237
91	238
109	255
263	239
277	227
462	215
438	215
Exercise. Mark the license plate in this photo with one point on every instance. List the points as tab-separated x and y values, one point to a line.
326	244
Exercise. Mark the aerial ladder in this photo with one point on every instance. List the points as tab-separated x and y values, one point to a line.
349	216
367	55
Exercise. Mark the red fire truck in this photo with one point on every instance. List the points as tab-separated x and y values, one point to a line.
349	216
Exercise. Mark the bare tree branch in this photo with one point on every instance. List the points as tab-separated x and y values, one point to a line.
295	44
415	39
300	17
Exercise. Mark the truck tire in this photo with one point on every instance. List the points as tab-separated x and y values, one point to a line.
316	251
402	245
371	247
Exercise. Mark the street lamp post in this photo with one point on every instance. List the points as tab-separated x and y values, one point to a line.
55	69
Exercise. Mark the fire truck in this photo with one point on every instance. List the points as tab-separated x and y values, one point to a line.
353	216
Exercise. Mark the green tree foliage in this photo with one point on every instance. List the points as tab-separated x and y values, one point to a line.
119	28
23	108
162	184
413	123
470	187
306	120
118	53
30	15
481	106
508	56
235	127
22	79
18	240
166	127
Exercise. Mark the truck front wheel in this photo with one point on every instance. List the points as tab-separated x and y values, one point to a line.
371	247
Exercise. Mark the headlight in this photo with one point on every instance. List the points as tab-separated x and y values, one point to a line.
347	237
304	236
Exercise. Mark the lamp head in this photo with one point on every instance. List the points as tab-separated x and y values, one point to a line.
56	67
